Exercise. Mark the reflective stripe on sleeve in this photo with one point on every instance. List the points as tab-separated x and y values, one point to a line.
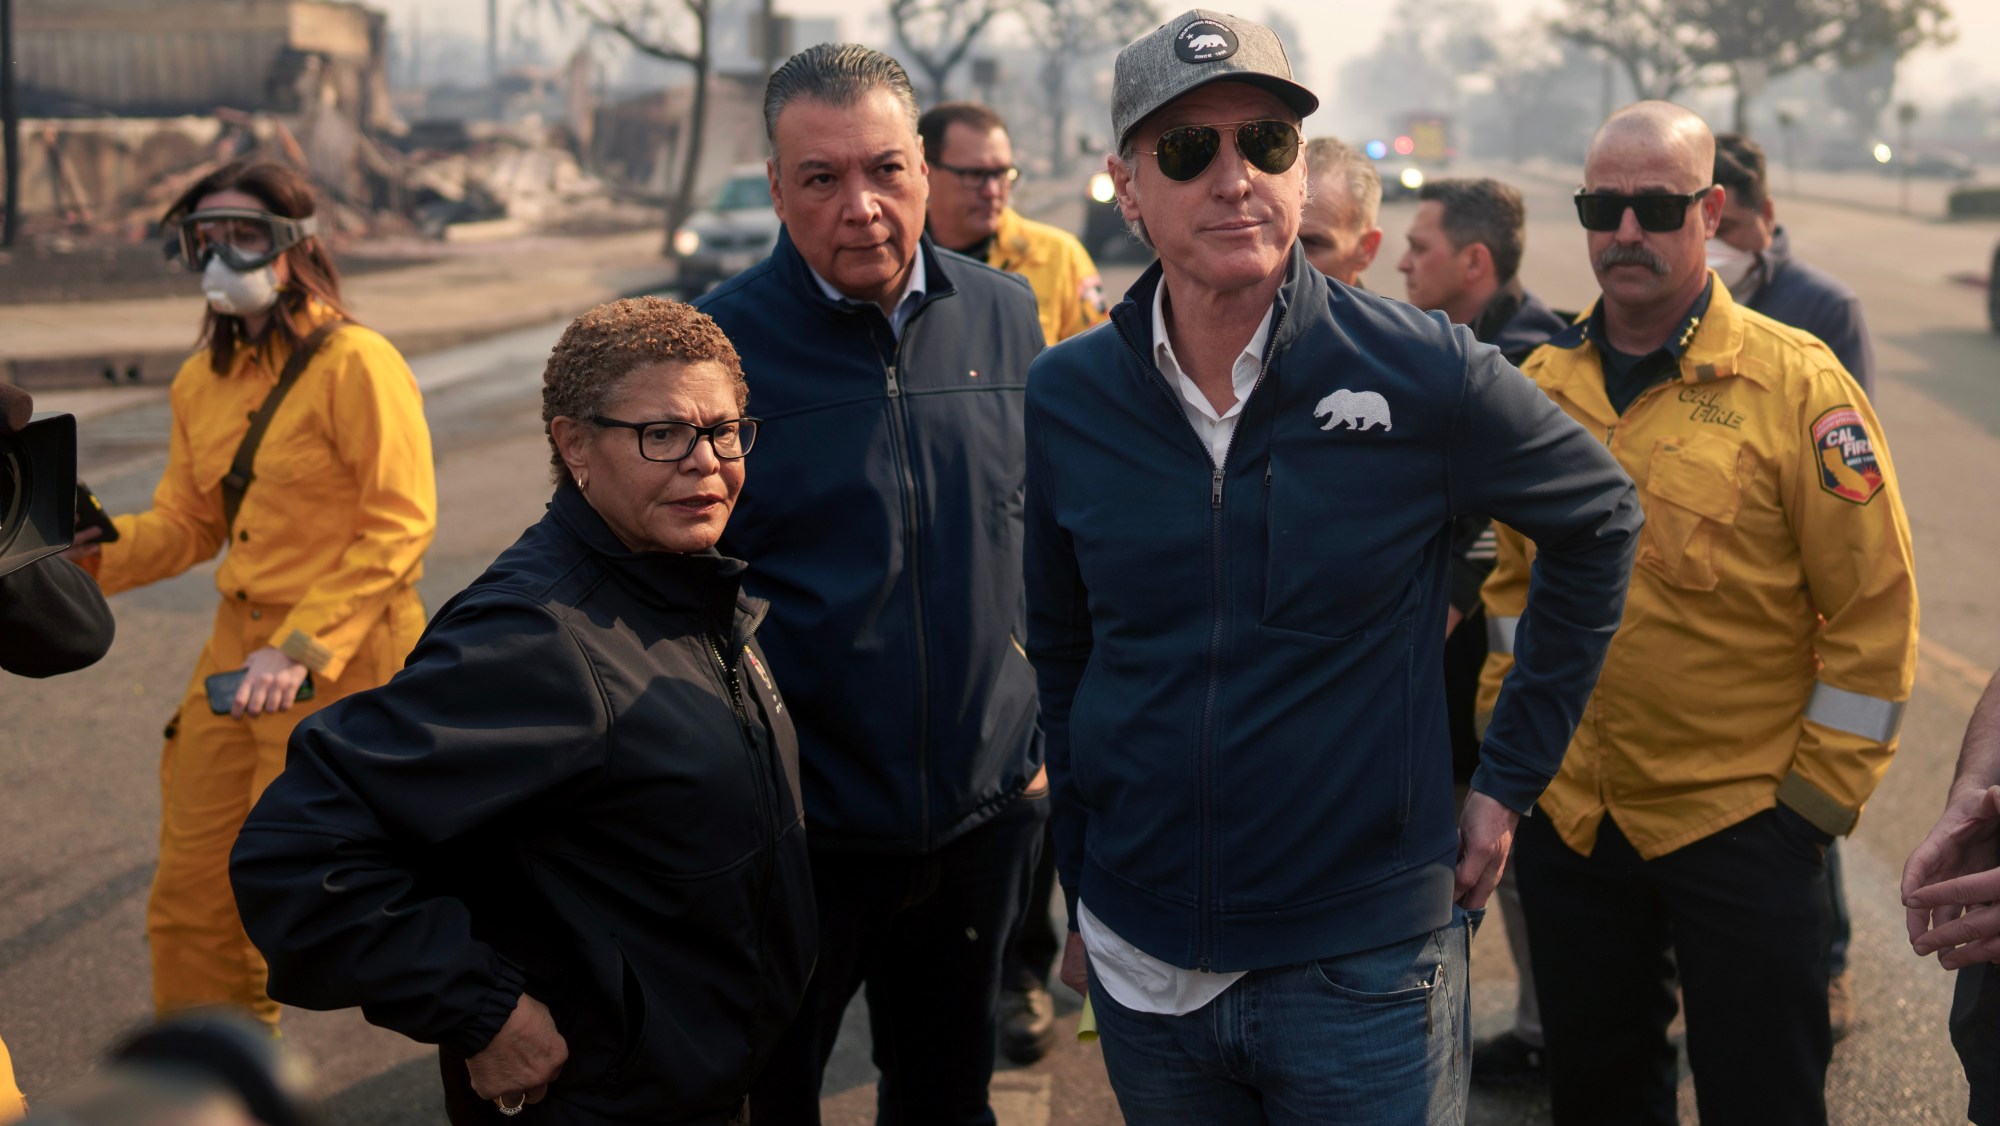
1500	634
1867	716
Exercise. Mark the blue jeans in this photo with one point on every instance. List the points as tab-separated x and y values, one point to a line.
1377	1037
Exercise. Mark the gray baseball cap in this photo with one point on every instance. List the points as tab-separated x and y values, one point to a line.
1194	49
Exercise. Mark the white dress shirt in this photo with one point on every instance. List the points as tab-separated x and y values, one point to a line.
913	295
1215	429
1134	978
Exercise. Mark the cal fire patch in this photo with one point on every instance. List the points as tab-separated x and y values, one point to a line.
1846	452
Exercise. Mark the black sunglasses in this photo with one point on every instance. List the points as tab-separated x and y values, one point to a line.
1656	211
1187	151
670	440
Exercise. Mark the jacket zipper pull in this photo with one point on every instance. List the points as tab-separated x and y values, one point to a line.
1267	474
1215	490
894	389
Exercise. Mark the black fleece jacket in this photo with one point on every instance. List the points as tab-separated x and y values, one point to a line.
566	793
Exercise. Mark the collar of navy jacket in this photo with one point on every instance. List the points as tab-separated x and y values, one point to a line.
791	266
688	582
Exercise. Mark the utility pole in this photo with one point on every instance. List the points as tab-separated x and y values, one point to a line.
767	22
1787	121
1905	115
986	76
10	123
493	59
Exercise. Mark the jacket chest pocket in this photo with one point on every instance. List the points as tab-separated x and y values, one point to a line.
1692	496
296	450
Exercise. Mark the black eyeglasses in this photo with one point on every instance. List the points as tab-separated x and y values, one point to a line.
973	179
1187	151
1656	211
667	440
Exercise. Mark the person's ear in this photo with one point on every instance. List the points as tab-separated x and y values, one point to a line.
572	440
777	196
1371	241
1476	262
1122	183
1767	212
1711	210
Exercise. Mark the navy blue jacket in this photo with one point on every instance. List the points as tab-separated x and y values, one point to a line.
1240	667
1517	322
881	518
1808	298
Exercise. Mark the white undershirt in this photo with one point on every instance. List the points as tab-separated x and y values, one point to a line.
906	303
1215	429
1134	978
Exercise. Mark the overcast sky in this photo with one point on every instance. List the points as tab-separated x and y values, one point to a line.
1335	33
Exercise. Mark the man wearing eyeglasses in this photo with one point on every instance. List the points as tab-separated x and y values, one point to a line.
972	168
1750	701
1239	517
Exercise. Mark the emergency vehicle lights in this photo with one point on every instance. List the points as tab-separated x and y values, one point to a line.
1882	154
686	242
1377	150
1101	189
1412	178
1405	145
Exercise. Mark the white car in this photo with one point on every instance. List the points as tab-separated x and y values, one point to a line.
733	232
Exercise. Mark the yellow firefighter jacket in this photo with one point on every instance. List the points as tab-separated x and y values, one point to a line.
343	504
1067	290
1770	631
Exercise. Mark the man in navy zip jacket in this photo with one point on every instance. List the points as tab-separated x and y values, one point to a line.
890	376
1240	498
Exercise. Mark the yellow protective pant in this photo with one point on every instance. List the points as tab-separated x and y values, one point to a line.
212	770
12	1105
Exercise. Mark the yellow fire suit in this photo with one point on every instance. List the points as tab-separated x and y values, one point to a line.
322	564
1770	631
12	1105
1068	292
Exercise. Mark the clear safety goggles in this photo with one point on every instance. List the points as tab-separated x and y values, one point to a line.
244	238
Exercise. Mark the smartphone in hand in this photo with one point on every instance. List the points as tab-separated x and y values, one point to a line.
90	514
223	685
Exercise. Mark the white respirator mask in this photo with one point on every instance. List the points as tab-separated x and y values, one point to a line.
239	293
1732	265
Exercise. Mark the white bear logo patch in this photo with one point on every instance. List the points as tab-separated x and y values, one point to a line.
1204	41
1359	410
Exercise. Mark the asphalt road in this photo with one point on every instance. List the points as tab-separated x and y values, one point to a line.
78	782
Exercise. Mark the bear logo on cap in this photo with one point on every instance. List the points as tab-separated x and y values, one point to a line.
1204	41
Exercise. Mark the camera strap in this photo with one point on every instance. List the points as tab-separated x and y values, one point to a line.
237	481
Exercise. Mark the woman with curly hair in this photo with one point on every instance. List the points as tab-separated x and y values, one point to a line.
564	844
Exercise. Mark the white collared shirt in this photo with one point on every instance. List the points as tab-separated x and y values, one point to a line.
1134	978
913	294
1215	429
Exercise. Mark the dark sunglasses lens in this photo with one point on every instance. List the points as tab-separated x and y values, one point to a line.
1600	212
1184	152
1661	212
1272	146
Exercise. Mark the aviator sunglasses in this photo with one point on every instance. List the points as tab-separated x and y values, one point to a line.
1187	151
1656	211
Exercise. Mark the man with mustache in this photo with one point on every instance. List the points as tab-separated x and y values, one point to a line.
1240	503
1750	701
